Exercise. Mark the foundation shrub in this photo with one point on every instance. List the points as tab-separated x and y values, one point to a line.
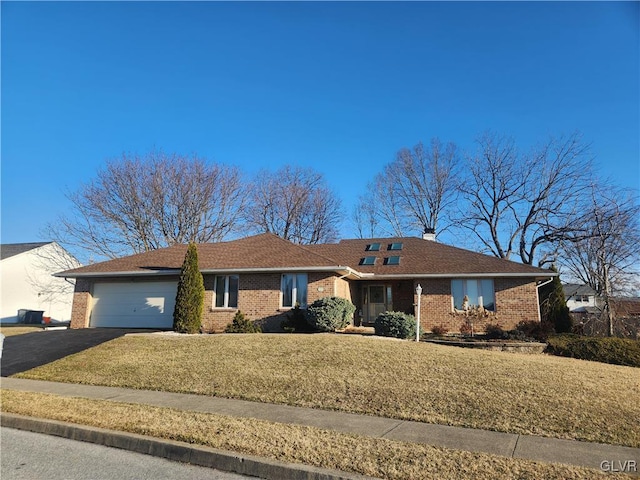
540	331
395	324
439	330
494	331
242	324
296	321
330	313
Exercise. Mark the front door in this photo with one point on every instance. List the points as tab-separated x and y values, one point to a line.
377	299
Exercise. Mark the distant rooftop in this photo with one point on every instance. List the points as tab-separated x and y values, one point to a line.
11	249
571	289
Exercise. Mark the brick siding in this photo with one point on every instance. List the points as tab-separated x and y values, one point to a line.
81	304
515	299
259	299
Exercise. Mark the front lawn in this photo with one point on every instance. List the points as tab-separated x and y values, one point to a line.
376	457
528	394
9	331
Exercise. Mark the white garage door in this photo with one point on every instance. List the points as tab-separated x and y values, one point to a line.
133	304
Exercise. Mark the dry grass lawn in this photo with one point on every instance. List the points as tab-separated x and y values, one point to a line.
311	446
10	331
527	394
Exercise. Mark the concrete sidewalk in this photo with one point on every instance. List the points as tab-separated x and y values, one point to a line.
527	447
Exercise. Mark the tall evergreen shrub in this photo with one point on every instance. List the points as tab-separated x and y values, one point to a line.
553	306
187	315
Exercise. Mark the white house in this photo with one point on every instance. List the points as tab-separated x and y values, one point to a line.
27	281
580	298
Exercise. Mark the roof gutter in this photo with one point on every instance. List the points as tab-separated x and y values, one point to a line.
145	273
343	270
346	272
461	275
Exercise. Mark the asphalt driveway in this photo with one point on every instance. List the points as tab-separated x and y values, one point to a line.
23	352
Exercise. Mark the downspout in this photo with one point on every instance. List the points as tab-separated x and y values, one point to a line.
538	295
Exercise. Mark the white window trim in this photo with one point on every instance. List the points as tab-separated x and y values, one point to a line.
294	291
225	302
453	301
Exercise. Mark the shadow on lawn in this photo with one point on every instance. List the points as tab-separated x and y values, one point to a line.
24	352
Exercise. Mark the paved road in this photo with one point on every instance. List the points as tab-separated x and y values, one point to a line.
34	456
23	352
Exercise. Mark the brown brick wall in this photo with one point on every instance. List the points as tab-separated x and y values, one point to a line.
516	300
259	299
81	304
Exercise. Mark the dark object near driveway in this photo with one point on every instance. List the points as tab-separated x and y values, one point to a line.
30	316
24	352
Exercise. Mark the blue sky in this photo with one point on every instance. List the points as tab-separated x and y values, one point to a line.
340	87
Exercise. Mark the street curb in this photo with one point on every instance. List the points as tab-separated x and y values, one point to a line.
178	451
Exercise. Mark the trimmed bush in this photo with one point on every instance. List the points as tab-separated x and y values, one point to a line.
537	330
395	324
618	351
439	330
330	313
296	321
494	331
187	314
242	324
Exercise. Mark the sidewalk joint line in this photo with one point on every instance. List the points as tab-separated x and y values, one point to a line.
515	447
392	429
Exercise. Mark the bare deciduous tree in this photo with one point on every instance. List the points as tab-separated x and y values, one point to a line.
608	260
137	204
295	204
365	218
523	204
415	190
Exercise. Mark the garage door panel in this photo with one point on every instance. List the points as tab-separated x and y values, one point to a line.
133	304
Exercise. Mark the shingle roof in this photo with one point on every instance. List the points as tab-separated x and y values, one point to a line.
8	250
270	252
571	289
265	251
419	256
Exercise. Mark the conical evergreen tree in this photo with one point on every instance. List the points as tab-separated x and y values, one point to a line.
187	316
553	306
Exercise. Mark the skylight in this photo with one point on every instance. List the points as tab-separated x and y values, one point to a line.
395	260
368	261
373	247
395	246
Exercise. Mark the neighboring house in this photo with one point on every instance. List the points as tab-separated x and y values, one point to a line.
27	282
265	276
581	299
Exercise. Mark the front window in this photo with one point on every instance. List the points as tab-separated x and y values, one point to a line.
470	293
294	290
226	294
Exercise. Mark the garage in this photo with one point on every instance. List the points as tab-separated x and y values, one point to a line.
133	304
